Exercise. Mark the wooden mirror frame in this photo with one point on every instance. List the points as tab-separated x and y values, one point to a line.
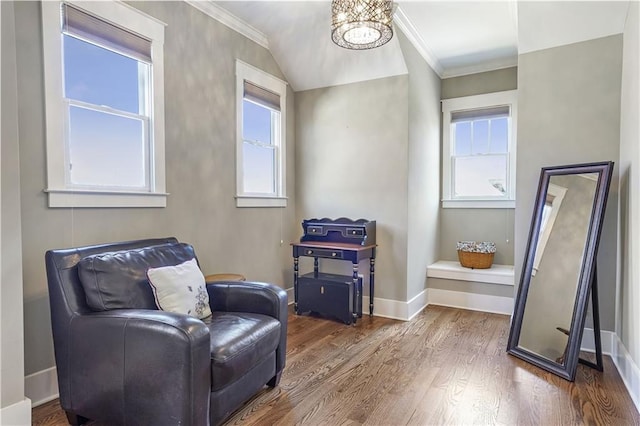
587	271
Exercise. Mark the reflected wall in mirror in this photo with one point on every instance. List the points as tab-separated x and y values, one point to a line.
559	266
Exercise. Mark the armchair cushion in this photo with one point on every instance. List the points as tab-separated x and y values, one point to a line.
239	341
118	279
180	289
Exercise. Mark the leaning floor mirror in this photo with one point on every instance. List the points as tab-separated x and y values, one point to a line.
559	272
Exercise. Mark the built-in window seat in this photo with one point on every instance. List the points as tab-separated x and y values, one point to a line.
446	269
487	290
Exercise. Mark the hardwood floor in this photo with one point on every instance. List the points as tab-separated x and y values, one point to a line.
446	366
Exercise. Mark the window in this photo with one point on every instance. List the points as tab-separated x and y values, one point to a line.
479	151
260	150
104	105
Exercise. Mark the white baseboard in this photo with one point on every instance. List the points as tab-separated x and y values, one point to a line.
394	309
588	343
41	386
290	296
417	304
470	301
18	414
405	311
628	369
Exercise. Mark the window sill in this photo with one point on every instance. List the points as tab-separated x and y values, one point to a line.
478	204
248	201
497	274
75	198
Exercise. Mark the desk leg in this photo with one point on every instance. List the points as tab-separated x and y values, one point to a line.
372	274
356	290
295	284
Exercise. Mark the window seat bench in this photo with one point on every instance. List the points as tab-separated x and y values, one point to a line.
452	270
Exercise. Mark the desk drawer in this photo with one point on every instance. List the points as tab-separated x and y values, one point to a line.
315	230
355	232
331	254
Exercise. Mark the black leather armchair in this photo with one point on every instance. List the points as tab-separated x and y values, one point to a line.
143	366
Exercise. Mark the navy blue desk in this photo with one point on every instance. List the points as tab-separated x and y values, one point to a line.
337	251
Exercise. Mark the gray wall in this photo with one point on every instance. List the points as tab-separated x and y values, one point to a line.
200	56
480	83
351	160
478	224
569	112
628	306
11	322
372	150
424	168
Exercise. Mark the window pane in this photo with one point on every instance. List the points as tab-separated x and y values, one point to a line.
480	176
259	169
499	135
480	137
462	131
256	123
106	149
102	77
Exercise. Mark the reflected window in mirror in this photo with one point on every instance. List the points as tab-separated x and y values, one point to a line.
553	201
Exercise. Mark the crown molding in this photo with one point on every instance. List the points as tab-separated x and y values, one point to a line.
493	65
208	7
406	26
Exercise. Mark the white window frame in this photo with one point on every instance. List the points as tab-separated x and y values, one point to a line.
555	195
246	72
488	100
60	192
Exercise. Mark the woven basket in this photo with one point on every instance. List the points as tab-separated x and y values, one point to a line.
475	260
476	255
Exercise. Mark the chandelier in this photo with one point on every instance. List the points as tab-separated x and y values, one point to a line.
361	24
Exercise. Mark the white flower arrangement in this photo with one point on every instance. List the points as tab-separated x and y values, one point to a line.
476	246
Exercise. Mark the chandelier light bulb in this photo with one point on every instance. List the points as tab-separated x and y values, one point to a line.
362	35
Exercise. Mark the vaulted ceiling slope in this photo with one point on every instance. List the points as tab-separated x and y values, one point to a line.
299	39
454	37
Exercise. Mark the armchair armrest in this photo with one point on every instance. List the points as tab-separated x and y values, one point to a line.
247	296
253	297
159	361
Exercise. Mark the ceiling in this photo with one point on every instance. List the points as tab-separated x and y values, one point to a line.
454	37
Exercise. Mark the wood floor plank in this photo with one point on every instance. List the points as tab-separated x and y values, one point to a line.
446	366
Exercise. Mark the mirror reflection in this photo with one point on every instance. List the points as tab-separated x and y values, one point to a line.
562	237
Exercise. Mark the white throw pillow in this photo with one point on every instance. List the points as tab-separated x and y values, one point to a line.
180	289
